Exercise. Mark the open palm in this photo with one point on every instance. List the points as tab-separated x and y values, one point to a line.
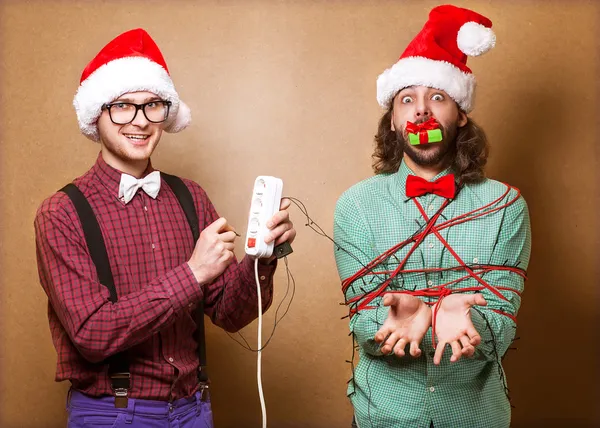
454	327
407	322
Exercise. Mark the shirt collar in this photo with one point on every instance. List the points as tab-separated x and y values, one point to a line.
111	177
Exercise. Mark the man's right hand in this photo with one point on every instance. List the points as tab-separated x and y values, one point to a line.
407	322
213	251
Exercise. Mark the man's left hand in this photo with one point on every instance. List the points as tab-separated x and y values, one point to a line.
454	327
280	226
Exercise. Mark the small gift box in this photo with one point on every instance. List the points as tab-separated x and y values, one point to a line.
423	133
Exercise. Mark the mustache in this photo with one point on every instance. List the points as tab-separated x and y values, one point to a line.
419	121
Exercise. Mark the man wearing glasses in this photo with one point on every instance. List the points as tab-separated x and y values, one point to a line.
124	265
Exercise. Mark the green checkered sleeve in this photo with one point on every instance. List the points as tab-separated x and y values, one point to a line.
513	247
353	251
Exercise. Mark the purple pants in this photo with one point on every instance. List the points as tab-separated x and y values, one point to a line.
92	412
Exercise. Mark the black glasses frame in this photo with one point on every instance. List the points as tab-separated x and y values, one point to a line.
138	107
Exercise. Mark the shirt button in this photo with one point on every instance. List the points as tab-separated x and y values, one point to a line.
475	260
145	208
431	245
432	389
262	278
171	359
153	247
430	283
431	207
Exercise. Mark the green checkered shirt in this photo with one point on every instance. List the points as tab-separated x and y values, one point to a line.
388	391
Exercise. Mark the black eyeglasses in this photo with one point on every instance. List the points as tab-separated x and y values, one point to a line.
122	113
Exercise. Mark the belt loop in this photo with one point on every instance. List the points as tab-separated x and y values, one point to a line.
130	410
198	396
68	402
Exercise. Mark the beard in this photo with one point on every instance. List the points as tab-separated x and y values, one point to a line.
430	154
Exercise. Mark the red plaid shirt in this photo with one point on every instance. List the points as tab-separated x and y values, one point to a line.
148	242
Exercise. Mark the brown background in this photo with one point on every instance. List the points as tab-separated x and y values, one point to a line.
288	89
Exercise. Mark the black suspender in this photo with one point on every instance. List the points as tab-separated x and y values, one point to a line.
118	365
93	238
187	203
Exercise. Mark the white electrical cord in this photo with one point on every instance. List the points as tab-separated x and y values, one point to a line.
259	353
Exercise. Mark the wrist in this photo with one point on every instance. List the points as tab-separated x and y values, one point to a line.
199	273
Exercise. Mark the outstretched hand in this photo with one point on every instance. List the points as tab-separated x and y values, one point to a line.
407	322
454	327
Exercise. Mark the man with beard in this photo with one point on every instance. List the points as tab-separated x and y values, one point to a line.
431	253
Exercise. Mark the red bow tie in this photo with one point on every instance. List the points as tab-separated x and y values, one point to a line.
417	186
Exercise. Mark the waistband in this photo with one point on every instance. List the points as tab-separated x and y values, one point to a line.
137	405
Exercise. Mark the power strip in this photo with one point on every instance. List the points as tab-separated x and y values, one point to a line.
266	199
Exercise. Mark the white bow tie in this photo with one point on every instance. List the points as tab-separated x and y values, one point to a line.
129	185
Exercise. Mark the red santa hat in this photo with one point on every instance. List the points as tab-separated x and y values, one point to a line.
437	56
131	62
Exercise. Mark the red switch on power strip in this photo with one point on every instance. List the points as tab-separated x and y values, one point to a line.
251	242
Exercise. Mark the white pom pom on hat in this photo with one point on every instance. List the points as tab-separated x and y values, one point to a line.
475	39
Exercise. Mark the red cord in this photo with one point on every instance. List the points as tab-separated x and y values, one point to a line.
439	291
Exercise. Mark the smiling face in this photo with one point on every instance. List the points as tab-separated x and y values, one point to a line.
417	104
129	147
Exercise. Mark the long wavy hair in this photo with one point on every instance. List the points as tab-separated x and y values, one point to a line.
470	150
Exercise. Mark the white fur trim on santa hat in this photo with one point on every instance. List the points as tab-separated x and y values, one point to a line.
182	120
420	71
118	77
475	39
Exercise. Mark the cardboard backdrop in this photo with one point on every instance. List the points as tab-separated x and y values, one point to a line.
287	88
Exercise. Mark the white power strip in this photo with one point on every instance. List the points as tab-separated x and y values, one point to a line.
266	199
